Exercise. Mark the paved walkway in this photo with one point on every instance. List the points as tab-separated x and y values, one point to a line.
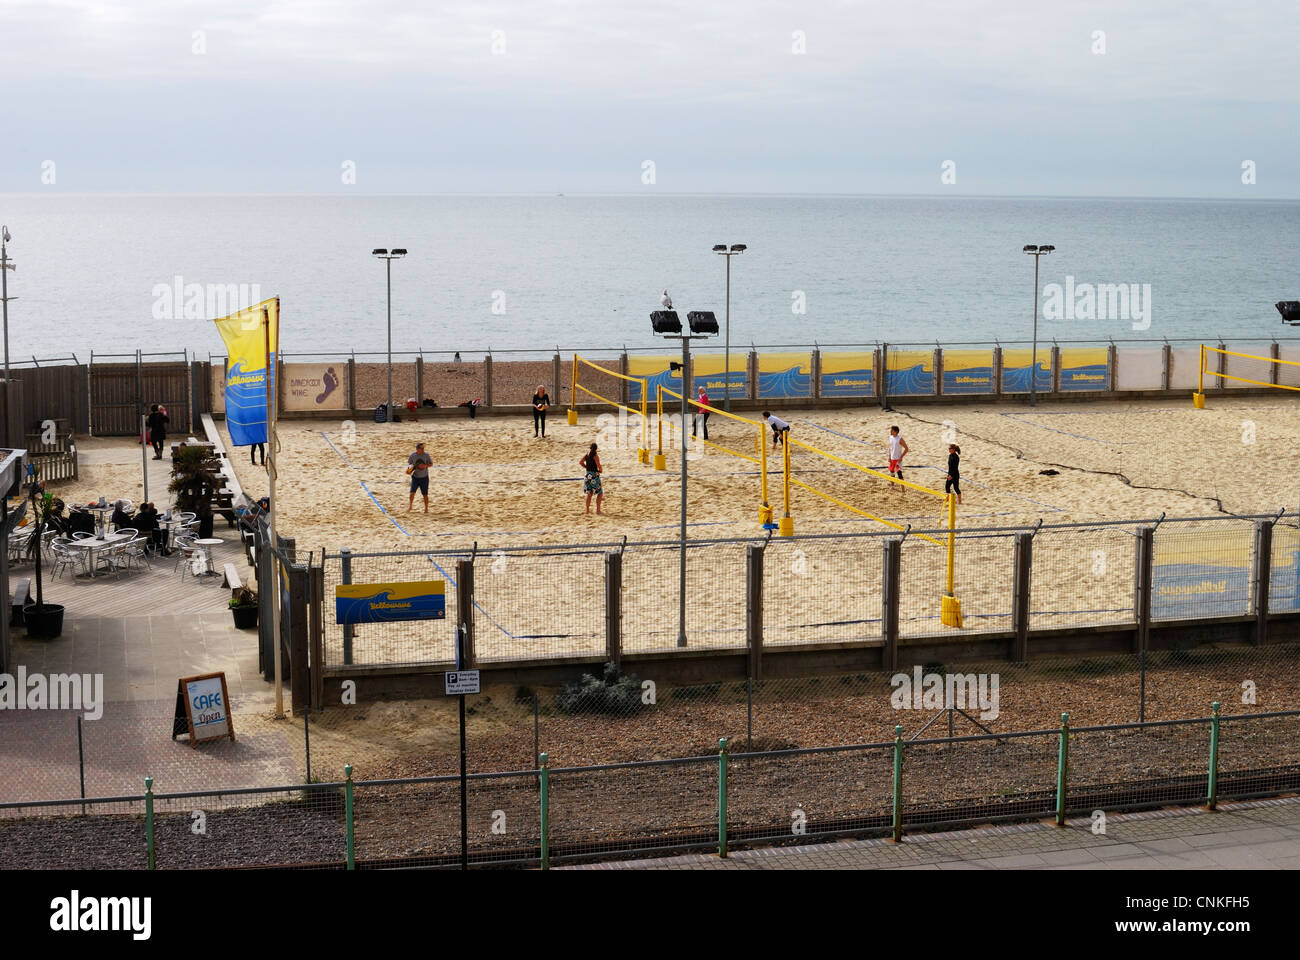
142	632
1260	834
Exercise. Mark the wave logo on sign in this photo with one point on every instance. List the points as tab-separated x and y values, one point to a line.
389	602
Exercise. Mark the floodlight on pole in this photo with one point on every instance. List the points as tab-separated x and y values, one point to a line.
5	266
722	250
1035	251
703	324
383	254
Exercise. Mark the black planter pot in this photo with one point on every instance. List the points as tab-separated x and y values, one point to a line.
245	616
44	621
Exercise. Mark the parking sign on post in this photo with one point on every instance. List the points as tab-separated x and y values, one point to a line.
461	681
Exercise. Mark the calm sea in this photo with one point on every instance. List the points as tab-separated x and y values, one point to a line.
533	272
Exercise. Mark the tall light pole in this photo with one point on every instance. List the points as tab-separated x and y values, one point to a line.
383	254
668	325
721	250
5	267
1035	251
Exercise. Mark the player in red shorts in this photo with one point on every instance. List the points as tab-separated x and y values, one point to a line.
897	450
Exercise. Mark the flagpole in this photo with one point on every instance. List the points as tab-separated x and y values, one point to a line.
270	513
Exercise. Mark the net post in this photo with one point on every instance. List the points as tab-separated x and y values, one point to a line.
1198	398
573	392
643	454
787	522
950	609
660	462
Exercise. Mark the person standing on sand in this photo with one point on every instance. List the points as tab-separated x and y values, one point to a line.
952	484
420	462
157	425
591	484
540	402
701	412
897	450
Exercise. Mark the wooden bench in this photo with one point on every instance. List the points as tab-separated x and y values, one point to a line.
231	579
22	593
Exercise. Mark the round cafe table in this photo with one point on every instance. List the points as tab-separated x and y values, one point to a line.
207	543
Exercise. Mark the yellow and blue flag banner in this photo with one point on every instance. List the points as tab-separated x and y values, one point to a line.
250	335
385	602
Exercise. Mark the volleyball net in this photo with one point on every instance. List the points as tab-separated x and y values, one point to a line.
581	365
1198	398
822	460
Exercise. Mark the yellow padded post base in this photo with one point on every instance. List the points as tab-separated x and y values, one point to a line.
950	615
573	418
764	515
661	462
1198	401
786	527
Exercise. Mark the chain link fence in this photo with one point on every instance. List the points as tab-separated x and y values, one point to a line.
563	601
710	801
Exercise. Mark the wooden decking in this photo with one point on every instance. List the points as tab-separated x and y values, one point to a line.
143	592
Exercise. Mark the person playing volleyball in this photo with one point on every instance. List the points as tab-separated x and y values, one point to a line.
591	483
419	471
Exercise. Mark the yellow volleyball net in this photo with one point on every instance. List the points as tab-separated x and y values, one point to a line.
582	365
1198	398
951	606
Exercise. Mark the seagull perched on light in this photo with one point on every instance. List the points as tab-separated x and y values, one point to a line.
666	301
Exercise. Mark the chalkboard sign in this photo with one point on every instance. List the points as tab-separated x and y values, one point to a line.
203	709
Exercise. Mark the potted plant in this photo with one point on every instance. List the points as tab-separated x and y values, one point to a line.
193	485
43	620
243	607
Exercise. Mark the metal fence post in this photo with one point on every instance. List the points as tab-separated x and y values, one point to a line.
613	606
546	814
754	607
1062	766
1262	576
1020	593
1142	586
345	576
898	784
891	565
348	818
148	821
1212	800
722	797
465	609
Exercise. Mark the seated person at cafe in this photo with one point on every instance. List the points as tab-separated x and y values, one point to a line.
81	521
146	521
120	517
58	520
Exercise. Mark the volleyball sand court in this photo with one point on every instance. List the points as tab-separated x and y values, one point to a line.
494	484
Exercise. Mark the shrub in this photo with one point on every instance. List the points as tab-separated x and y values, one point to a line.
611	692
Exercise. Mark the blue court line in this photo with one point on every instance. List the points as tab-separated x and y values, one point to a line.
1065	433
450	579
336	449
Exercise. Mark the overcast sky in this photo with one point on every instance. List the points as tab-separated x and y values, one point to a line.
262	96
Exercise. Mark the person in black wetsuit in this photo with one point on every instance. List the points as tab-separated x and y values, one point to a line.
541	400
953	483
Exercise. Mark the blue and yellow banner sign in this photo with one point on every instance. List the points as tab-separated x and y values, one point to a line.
1085	368
388	602
250	335
848	374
